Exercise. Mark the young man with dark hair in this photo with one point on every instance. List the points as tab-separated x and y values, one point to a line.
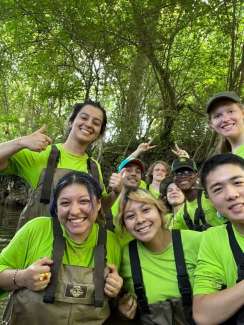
219	277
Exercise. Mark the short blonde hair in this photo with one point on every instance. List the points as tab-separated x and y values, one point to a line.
149	175
143	196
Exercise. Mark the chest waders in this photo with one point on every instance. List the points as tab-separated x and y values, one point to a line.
200	223
40	198
172	311
238	317
74	296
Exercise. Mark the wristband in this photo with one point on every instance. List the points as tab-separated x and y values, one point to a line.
14	279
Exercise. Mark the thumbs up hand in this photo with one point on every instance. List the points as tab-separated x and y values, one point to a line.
36	141
113	282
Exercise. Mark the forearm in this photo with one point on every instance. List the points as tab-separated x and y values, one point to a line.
218	307
7	149
109	200
11	279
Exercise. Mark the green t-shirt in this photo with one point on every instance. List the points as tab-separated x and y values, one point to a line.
169	217
216	265
35	239
211	215
29	164
154	192
159	269
239	151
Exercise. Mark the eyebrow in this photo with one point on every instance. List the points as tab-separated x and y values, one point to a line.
94	118
221	183
141	206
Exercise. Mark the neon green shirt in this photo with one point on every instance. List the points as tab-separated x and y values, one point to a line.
154	192
211	215
29	164
216	265
159	270
239	151
35	239
169	217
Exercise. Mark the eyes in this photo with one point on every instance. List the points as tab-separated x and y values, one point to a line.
66	202
235	183
131	215
95	121
219	115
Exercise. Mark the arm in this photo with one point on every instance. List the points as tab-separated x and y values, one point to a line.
115	185
142	147
35	277
36	141
217	307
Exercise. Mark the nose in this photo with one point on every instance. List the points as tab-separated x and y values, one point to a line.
140	218
89	122
231	192
74	208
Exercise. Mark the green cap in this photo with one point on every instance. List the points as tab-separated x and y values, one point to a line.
181	163
231	95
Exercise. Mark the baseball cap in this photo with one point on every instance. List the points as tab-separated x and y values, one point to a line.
183	163
231	95
134	161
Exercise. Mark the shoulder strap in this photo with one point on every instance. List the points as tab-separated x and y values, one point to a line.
182	275
137	277
199	212
100	263
49	173
187	218
57	255
147	186
93	169
236	251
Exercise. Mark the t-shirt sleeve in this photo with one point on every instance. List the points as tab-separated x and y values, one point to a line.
209	274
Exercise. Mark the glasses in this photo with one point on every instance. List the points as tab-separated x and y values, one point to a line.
185	172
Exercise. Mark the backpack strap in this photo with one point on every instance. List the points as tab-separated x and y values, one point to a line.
182	275
236	251
57	255
187	218
147	186
49	173
137	277
93	169
199	217
100	263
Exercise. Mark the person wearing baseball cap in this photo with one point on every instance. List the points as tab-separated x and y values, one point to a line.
226	117
197	213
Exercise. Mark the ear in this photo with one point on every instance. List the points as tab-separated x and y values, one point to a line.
99	205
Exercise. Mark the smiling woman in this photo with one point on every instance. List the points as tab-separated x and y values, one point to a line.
72	281
150	263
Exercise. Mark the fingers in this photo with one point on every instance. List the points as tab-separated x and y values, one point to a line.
44	261
128	306
113	282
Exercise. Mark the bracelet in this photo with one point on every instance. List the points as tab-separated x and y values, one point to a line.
14	279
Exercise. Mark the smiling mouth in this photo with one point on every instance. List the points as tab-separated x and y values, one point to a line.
228	126
77	221
236	207
143	229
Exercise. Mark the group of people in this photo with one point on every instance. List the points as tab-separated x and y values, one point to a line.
167	250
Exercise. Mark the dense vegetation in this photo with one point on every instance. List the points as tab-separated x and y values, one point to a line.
151	63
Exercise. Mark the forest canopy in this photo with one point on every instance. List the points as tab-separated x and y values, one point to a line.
151	63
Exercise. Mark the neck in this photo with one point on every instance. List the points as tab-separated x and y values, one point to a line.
160	241
177	208
75	147
190	194
155	184
239	227
237	141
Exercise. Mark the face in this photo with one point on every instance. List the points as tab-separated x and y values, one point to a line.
185	179
174	195
142	220
159	172
76	211
86	126
227	120
225	187
132	176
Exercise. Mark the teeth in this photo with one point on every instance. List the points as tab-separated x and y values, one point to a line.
143	229
76	221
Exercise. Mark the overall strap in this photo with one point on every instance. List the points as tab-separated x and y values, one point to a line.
236	251
182	275
57	255
93	169
99	266
187	218
49	173
199	213
147	186
137	277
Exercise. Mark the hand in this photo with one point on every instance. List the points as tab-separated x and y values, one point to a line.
145	146
113	282
180	152
36	141
127	306
115	182
37	276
